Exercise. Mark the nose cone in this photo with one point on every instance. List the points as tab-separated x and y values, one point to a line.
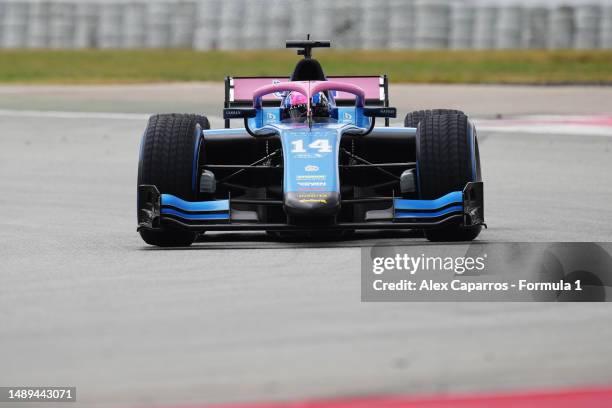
312	204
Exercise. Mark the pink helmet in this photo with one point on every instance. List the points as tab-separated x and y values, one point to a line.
296	98
295	106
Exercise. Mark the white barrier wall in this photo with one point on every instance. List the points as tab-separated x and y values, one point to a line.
485	23
606	28
261	24
38	29
14	25
254	36
110	25
345	20
319	17
433	24
134	30
562	28
375	34
588	20
182	24
462	26
231	19
278	21
61	24
87	16
402	24
536	28
206	35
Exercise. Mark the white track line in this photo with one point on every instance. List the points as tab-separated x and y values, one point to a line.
549	130
575	130
72	115
502	126
15	113
598	125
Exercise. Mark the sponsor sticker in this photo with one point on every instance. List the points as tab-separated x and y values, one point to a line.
312	198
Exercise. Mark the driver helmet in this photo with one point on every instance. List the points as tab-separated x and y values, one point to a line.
320	106
295	106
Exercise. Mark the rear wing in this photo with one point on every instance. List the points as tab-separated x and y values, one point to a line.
239	91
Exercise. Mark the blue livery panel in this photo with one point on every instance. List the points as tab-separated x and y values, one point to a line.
218	210
443	206
311	159
311	181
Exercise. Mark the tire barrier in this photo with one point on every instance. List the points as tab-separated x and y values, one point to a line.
266	24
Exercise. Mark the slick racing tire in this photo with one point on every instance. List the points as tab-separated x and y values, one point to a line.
166	161
412	119
446	162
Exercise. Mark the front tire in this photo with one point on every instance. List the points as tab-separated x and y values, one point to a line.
448	158
166	161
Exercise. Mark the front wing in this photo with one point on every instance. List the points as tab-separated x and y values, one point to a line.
157	210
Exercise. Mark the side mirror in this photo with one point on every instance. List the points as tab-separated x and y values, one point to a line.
385	112
239	113
244	113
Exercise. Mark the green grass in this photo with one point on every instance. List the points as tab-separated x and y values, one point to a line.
508	67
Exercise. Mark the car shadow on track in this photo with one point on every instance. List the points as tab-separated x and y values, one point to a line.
261	240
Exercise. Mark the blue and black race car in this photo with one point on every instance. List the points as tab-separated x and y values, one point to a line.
309	160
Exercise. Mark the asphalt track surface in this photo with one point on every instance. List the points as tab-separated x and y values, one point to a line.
240	317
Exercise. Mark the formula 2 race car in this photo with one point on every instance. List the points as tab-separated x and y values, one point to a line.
309	161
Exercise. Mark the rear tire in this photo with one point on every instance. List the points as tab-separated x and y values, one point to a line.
412	119
166	161
447	162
